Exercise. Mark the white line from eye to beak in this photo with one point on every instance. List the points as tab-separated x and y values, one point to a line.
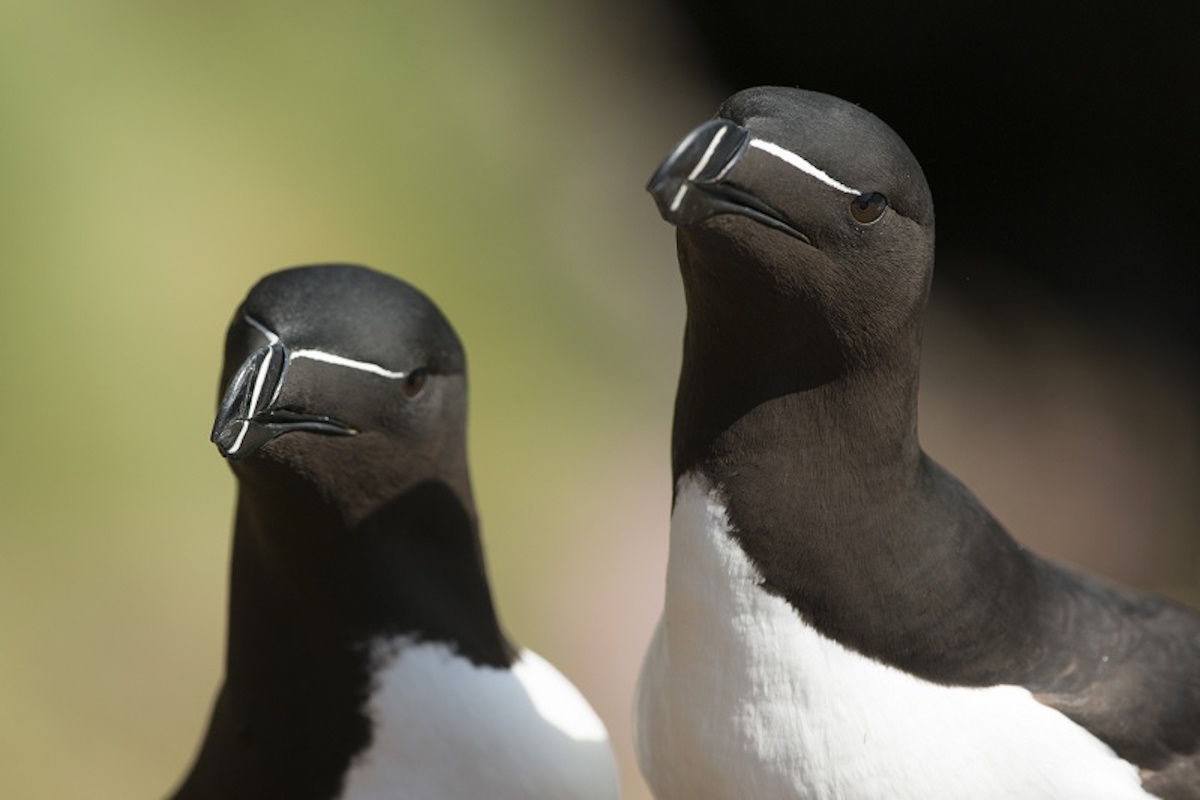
272	337
322	356
342	361
802	164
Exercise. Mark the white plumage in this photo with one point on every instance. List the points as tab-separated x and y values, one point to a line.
740	698
446	729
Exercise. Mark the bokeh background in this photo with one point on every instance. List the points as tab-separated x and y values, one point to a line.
156	159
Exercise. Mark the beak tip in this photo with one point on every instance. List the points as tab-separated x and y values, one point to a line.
258	377
225	437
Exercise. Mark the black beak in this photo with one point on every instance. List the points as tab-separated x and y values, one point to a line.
683	185
694	184
248	418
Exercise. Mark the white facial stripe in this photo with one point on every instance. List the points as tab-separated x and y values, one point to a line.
264	369
342	361
272	338
315	355
805	166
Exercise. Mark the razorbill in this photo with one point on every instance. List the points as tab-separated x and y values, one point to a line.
843	618
364	658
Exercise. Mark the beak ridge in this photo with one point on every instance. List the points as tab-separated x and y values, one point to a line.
701	160
249	416
254	387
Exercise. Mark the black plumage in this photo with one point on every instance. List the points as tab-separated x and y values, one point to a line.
355	523
798	398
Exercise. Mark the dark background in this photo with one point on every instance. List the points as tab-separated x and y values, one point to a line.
1060	139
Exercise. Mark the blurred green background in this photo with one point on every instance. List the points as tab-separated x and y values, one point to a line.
156	159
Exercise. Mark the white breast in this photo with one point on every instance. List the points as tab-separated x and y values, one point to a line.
445	729
740	698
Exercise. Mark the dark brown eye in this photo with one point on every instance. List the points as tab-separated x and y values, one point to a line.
414	382
868	208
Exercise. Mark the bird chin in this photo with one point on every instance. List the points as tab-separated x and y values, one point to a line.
737	224
770	221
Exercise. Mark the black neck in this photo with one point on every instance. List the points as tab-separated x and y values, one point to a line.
812	429
767	357
815	451
311	587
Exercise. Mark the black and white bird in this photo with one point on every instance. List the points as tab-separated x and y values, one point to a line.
843	618
364	657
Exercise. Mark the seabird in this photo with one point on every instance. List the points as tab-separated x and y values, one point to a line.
843	618
364	656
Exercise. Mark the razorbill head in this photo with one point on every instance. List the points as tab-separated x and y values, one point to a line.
364	657
842	617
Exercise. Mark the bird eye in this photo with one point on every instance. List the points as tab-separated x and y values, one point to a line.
414	382
868	208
